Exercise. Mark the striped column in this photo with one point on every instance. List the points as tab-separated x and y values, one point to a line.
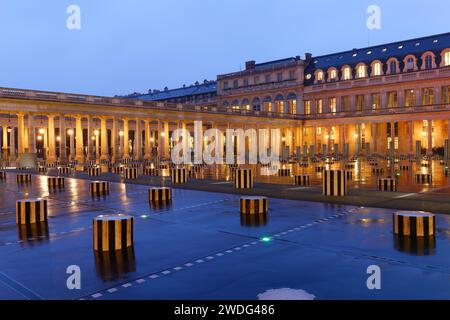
284	172
41	169
113	232
414	223
302	180
320	169
162	194
55	182
334	183
349	175
31	211
404	167
131	173
350	166
243	179
387	184
377	171
150	171
254	205
64	170
178	175
94	171
99	187
422	178
23	177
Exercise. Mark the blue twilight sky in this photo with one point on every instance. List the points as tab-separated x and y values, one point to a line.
126	46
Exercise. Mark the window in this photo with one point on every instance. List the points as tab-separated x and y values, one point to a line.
332	105
333	75
256	80
392	100
347	74
345	102
268	78
446	94
377	69
410	98
361	71
279	77
292	75
360	102
319	76
245	82
376	101
225	85
447	59
292	106
427	96
235	84
410	65
319	106
307	106
393	67
429	62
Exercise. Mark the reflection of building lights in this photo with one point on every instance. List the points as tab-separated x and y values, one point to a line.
96	132
70	132
41	131
121	133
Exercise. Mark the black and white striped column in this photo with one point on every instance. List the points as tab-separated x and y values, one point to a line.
414	223
113	232
31	211
178	175
387	184
55	182
130	173
94	171
23	177
254	205
302	180
243	179
423	178
99	187
284	172
334	183
160	194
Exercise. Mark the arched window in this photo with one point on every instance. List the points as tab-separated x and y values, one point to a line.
393	67
361	71
377	69
246	104
447	59
256	104
235	105
226	104
279	104
292	103
410	64
429	62
347	73
320	76
333	75
267	104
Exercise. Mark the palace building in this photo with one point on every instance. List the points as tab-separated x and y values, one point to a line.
384	100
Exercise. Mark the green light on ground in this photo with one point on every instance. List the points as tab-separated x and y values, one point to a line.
266	239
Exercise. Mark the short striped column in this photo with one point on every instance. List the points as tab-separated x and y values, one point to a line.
178	175
377	171
334	183
160	194
23	177
320	169
130	173
150	171
254	205
99	187
423	178
113	232
2	175
349	175
404	167
425	164
64	170
41	169
94	171
387	184
303	164
31	211
118	169
302	180
414	223
349	166
284	172
373	164
55	182
243	179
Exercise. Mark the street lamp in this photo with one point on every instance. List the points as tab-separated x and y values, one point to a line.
96	132
121	133
41	131
70	132
58	138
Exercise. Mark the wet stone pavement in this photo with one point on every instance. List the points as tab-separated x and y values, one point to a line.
199	247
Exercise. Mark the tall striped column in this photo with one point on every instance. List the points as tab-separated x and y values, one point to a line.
178	175
31	211
243	179
334	183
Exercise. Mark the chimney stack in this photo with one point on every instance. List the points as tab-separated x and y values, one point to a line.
250	65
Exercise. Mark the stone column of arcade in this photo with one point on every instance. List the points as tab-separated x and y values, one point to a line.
430	138
51	139
20	137
79	141
138	140
126	140
31	135
166	140
62	143
147	140
71	134
12	146
104	139
5	143
114	140
90	140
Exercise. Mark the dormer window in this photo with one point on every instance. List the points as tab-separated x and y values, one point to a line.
320	76
333	74
347	73
361	71
447	59
377	69
429	62
410	65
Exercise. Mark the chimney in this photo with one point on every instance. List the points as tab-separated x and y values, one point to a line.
250	65
308	57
